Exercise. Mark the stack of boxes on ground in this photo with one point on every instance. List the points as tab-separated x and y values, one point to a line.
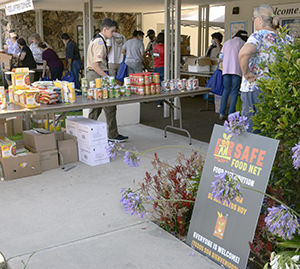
36	152
92	139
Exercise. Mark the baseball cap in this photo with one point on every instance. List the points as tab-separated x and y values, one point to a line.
150	32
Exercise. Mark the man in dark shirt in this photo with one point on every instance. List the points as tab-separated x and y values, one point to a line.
72	57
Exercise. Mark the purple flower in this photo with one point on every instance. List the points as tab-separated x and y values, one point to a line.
131	159
226	189
296	156
132	202
236	124
280	221
114	149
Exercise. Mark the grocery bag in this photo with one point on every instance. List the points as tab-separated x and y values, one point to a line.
68	77
216	82
122	72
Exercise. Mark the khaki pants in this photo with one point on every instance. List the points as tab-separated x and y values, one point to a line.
110	111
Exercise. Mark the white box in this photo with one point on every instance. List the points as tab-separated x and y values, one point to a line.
91	132
199	68
94	155
71	124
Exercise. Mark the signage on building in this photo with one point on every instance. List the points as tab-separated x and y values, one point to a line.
18	7
222	231
287	11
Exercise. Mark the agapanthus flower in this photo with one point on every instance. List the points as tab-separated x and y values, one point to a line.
113	149
296	156
226	188
280	221
132	202
236	124
131	159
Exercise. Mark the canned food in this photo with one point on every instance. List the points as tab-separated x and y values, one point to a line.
100	94
195	83
84	92
105	81
172	85
92	84
98	83
122	90
167	85
180	85
157	88
127	81
189	84
96	93
111	93
127	90
147	89
184	83
152	88
112	80
84	83
90	93
104	93
141	80
156	78
117	92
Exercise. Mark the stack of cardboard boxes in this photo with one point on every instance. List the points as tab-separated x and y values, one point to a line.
92	139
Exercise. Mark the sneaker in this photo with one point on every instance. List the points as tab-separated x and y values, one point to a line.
118	138
221	117
158	105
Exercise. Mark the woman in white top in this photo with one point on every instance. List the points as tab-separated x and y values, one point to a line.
36	51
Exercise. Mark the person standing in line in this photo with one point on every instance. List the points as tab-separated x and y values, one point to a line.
135	53
51	59
152	43
254	53
72	57
97	66
35	49
159	59
214	49
232	73
114	50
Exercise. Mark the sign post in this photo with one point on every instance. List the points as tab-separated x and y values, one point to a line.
222	231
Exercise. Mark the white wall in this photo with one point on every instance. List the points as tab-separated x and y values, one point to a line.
246	12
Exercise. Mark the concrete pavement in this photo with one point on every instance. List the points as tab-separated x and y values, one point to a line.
73	218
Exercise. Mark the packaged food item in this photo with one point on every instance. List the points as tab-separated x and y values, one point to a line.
105	93
156	78
157	88
111	93
147	89
195	83
31	98
112	80
20	78
189	84
2	98
84	83
84	92
127	81
152	88
8	147
127	91
98	83
90	93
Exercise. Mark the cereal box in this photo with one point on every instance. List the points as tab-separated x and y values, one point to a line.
30	99
17	97
8	147
2	98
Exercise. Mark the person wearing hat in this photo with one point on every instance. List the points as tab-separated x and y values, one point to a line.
152	43
232	73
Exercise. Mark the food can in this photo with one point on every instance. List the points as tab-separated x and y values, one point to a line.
147	89
98	83
112	80
127	81
100	94
111	93
184	83
105	81
140	79
180	85
156	78
195	83
122	90
92	84
104	93
147	79
84	92
189	84
72	97
117	92
96	93
172	85
84	83
152	88
140	90
157	88
127	90
90	93
167	85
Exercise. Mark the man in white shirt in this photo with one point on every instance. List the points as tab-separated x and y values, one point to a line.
115	55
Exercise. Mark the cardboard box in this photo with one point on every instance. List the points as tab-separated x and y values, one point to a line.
38	120
71	124
91	132
21	166
39	139
14	126
20	78
93	155
49	159
201	65
6	59
67	146
30	99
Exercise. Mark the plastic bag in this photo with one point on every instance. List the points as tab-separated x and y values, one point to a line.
68	77
122	72
216	82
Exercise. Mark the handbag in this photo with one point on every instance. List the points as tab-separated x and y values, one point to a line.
68	77
215	82
122	72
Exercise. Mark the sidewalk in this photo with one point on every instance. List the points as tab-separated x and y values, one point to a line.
73	219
